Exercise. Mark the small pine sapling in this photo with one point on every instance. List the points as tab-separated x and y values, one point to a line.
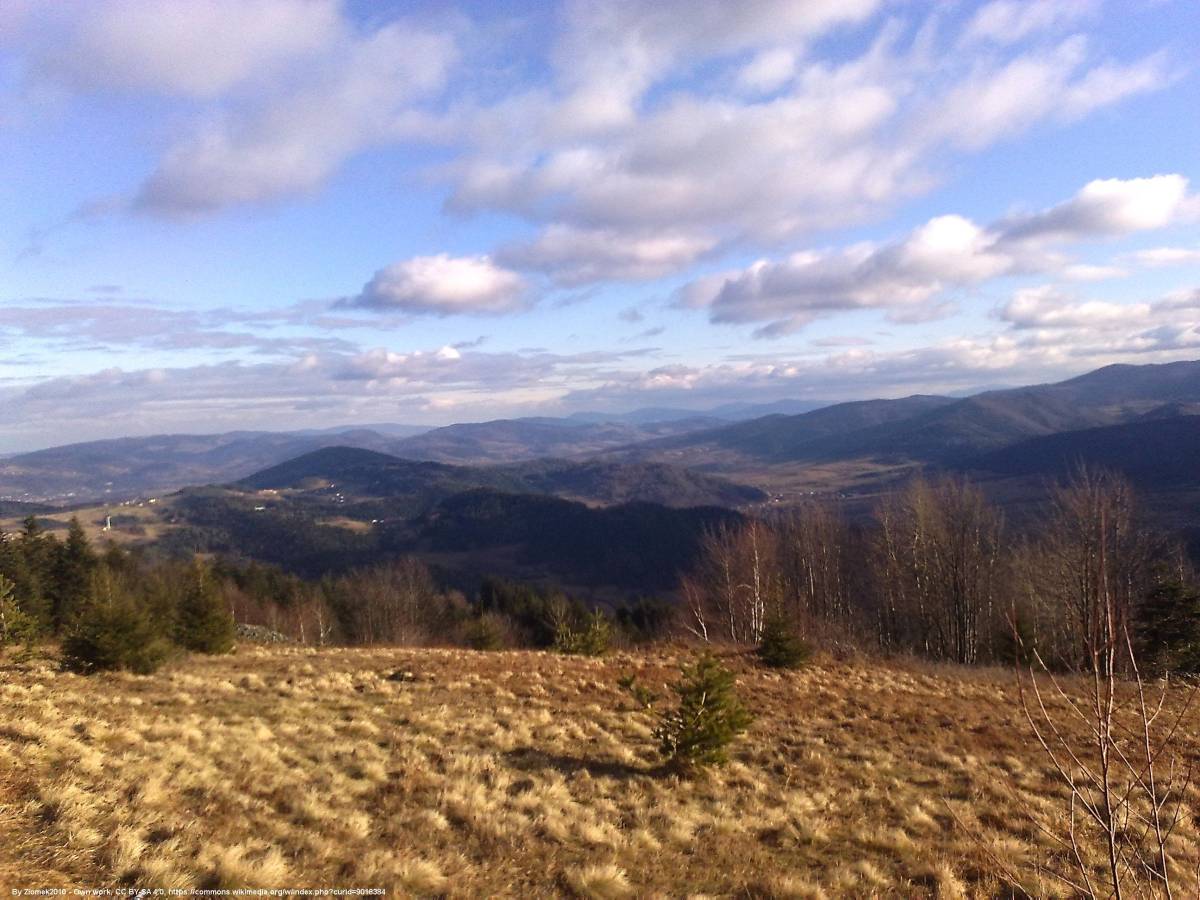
708	719
781	647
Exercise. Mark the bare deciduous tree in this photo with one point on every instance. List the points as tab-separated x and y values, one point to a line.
1118	748
939	546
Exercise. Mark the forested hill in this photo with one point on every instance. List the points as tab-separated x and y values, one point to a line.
1153	453
350	475
633	546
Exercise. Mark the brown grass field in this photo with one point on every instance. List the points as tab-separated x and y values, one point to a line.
517	774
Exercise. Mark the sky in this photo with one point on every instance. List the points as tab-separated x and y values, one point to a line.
278	214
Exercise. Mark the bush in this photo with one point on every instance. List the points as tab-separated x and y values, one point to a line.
781	647
15	626
1167	629
113	631
708	719
488	632
203	621
644	697
591	639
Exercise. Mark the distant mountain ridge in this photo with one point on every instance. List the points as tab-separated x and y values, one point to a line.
943	430
874	435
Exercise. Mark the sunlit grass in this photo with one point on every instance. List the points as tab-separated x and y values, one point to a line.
513	774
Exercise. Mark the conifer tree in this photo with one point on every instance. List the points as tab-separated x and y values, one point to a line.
781	647
111	630
15	625
25	588
73	568
203	623
32	569
708	719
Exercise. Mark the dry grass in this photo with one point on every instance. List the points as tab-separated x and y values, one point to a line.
513	774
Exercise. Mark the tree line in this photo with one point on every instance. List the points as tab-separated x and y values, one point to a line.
936	573
940	575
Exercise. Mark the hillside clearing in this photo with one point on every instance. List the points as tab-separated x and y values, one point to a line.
514	774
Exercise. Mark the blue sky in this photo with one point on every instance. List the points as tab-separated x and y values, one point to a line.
293	213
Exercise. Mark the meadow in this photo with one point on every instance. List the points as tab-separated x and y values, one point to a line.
474	774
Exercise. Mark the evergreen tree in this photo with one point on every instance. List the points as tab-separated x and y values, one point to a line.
74	566
34	550
781	647
15	625
25	589
591	638
1167	629
203	622
708	719
111	630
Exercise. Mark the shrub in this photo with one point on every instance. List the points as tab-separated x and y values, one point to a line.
1167	629
781	647
203	621
591	639
113	631
708	719
15	626
644	697
489	631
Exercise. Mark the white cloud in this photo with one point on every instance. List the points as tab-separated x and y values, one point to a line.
1048	307
1107	207
769	70
948	250
994	102
194	49
1009	21
573	256
444	285
773	142
1161	257
1090	272
908	276
291	142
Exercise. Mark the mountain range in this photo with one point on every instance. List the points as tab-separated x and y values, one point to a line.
863	443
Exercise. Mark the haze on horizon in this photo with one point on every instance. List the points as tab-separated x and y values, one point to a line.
303	213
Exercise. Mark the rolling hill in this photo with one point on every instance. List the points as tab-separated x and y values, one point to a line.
130	467
1155	454
126	467
352	475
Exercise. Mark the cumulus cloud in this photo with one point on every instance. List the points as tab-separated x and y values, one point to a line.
1107	207
576	256
282	92
1048	307
192	49
290	142
947	252
444	285
709	121
777	143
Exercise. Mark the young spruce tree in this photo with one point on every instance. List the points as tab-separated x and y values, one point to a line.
203	622
708	719
112	630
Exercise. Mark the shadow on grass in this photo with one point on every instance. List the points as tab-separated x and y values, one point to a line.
529	759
